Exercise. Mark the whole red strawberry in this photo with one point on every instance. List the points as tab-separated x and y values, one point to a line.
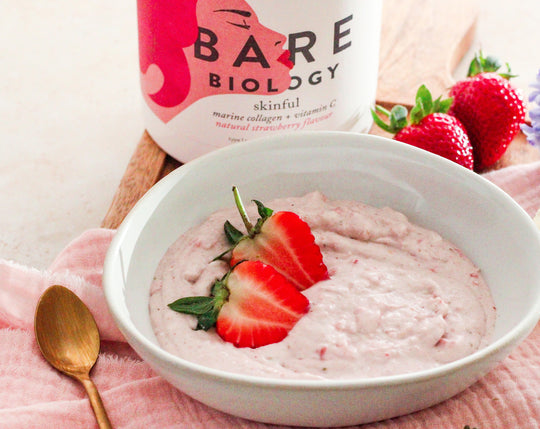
252	305
490	108
431	128
280	239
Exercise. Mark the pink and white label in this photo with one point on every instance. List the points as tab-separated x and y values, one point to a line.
216	72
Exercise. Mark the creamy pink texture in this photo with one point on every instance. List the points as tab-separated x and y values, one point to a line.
400	298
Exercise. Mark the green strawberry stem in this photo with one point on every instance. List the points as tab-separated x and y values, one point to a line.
397	116
232	234
242	210
264	213
205	308
482	64
424	106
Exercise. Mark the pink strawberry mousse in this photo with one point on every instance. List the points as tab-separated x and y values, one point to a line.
400	298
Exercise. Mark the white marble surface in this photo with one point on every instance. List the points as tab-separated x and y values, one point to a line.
70	113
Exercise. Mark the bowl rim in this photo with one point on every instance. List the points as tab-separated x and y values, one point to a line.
116	307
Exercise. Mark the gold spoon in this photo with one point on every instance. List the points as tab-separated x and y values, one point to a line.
68	337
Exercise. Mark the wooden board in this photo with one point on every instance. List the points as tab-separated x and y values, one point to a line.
422	41
147	165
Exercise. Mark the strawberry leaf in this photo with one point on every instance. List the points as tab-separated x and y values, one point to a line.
264	212
417	113
442	106
207	320
380	123
481	64
508	74
423	105
206	308
398	117
195	305
232	233
423	95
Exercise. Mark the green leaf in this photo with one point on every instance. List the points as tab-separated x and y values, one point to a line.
417	113
423	95
508	74
490	64
423	105
219	290
233	236
264	212
380	123
398	118
207	320
476	66
232	233
195	305
481	64
206	308
442	106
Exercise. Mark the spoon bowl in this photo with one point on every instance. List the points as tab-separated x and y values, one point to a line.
68	338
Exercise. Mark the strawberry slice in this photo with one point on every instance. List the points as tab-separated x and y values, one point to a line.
285	242
251	306
282	240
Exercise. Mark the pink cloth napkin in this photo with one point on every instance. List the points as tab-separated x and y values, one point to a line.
33	395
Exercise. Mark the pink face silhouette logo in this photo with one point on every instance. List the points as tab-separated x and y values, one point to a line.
191	49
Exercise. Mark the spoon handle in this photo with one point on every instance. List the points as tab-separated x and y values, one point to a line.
95	401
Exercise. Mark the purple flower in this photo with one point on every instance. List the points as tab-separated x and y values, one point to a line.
533	131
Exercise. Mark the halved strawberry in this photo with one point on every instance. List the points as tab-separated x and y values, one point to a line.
281	239
251	306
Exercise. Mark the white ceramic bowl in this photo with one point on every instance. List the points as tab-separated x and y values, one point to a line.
435	193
